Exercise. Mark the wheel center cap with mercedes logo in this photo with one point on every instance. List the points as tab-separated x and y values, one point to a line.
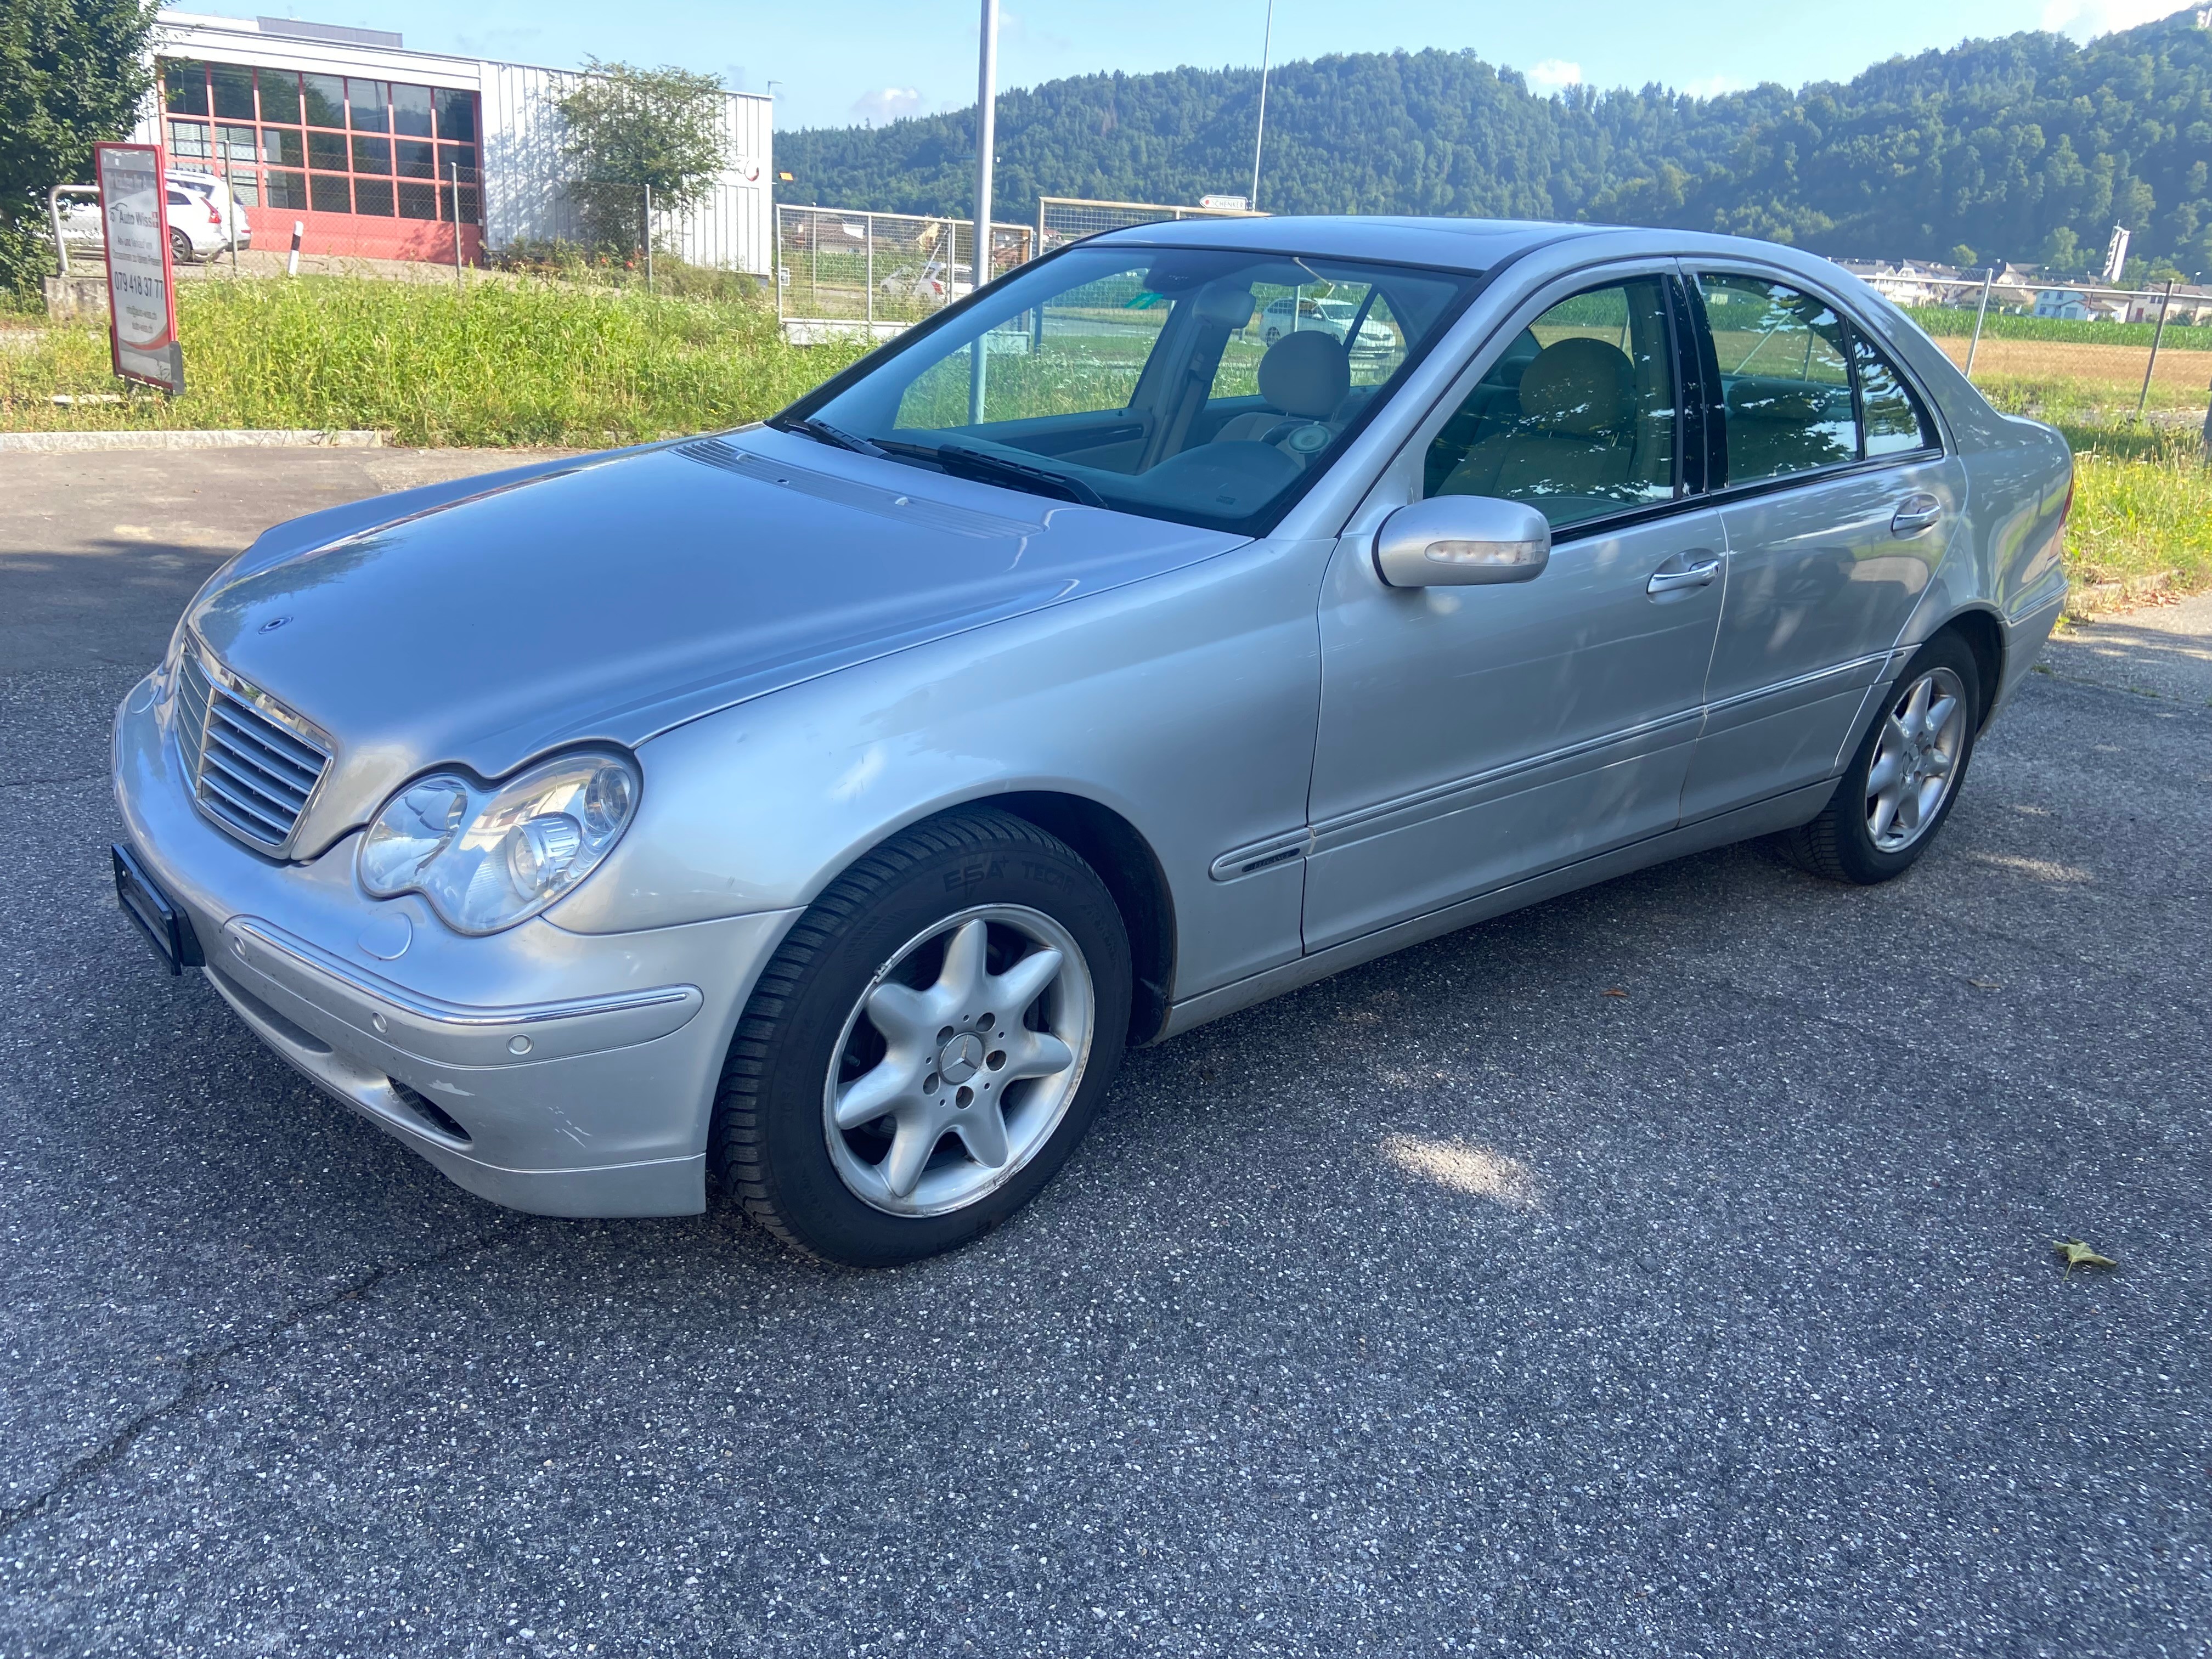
961	1058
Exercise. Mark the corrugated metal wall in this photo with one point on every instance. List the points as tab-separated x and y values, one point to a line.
523	171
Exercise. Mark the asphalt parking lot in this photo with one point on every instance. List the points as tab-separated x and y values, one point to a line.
1665	1270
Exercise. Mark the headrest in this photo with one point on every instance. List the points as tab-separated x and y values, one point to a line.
1226	304
1578	387
1306	374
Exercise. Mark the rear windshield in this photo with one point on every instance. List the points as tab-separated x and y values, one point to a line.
1202	386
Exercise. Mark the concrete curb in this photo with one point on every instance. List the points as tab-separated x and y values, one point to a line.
20	441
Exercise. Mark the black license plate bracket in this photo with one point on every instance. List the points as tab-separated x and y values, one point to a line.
161	919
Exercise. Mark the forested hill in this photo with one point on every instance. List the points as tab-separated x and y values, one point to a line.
2028	148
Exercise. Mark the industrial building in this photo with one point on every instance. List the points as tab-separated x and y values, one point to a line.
384	153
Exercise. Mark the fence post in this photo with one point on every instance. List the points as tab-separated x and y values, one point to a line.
2207	429
460	283
868	232
230	189
1980	311
648	239
776	256
2164	300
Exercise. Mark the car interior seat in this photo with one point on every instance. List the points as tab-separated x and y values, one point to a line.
1304	378
1573	433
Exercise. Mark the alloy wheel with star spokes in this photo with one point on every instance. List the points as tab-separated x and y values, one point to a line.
1904	773
1916	759
928	1042
959	1059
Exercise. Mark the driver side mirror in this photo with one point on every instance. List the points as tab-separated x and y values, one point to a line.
1461	541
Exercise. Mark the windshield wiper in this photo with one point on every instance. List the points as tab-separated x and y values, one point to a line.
822	432
997	469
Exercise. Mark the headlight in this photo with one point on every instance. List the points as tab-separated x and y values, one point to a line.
487	858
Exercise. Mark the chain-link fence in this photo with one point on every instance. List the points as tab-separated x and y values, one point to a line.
1065	218
849	273
2058	346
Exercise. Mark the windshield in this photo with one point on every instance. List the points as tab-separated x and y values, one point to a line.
1197	384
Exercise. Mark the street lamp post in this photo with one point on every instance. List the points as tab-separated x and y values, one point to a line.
1260	130
987	137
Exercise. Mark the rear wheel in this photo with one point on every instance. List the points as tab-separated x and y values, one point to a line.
181	247
1903	782
927	1045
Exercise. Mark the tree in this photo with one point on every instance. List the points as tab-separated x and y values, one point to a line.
73	73
631	128
1995	145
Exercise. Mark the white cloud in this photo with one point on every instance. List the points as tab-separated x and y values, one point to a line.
1713	86
1555	75
2087	19
887	103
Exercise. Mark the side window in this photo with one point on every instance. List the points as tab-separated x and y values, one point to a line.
1896	425
1579	415
1785	378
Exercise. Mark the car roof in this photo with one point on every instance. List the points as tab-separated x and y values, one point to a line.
1450	244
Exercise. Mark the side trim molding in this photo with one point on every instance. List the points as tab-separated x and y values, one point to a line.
1760	818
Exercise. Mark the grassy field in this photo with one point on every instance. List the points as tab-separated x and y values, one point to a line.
522	363
1945	321
2142	516
509	362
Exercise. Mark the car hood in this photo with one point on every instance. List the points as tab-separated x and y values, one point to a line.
613	598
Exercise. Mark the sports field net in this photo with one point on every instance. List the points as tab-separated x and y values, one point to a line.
881	270
1063	219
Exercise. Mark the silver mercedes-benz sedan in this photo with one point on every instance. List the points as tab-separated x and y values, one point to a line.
822	807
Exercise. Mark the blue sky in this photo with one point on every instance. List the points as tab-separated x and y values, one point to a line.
837	61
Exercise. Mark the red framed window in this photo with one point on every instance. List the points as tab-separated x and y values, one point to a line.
330	143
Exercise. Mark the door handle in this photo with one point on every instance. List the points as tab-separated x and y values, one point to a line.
1699	575
1915	513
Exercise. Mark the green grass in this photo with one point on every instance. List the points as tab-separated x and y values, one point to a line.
508	362
2143	515
1958	321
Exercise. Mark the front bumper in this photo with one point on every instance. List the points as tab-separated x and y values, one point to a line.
560	1073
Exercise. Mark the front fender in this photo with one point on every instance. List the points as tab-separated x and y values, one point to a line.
1186	703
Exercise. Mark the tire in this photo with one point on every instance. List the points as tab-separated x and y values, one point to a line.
925	934
1861	837
181	247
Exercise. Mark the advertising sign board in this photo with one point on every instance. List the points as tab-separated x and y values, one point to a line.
142	305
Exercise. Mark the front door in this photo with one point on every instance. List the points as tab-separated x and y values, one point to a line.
1472	736
1839	503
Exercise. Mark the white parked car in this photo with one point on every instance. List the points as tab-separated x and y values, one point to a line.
223	213
205	219
1334	317
931	282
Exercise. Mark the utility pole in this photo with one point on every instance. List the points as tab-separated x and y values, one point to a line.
987	138
1260	130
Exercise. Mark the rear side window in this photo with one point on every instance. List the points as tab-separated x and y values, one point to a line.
1803	389
1785	378
1895	422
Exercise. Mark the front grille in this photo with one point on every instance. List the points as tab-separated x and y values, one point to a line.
252	772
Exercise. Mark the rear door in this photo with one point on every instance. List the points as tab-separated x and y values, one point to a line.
1837	501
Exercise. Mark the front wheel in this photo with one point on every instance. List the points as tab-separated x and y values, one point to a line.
927	1045
1904	778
